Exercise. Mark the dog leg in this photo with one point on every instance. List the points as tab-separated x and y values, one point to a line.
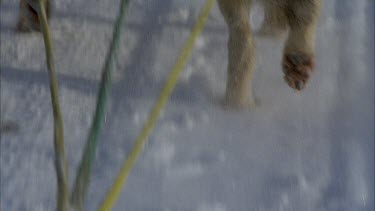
299	51
275	22
241	53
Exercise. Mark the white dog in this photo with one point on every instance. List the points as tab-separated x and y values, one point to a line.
299	17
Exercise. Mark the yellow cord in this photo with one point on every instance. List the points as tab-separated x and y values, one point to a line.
120	181
61	165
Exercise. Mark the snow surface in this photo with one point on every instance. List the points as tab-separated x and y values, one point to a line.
312	150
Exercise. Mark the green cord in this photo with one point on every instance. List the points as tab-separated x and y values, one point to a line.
82	178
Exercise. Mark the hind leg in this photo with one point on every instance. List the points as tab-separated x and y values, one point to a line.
241	53
28	20
299	51
275	21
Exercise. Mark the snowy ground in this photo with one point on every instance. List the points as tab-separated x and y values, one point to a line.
312	150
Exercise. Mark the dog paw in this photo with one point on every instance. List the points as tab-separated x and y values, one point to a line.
298	68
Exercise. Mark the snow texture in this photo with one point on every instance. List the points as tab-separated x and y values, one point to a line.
311	151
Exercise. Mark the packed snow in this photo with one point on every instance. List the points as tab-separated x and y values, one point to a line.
312	150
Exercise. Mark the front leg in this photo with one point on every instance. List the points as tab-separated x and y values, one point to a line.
299	52
241	53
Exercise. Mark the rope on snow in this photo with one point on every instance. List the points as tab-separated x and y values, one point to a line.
61	165
120	181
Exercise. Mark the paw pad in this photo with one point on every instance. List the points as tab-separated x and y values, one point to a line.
297	68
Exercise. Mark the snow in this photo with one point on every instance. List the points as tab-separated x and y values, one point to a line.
311	150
